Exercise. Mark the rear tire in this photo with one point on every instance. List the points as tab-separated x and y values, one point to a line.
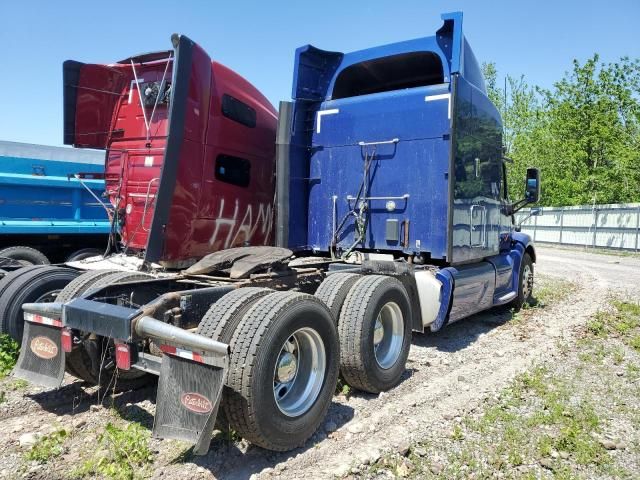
224	316
222	319
74	363
7	280
40	284
375	333
25	255
79	362
334	289
84	253
117	277
278	325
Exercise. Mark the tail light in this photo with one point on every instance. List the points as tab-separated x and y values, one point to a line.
123	356
66	340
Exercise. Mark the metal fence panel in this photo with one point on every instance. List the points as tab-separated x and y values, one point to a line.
608	226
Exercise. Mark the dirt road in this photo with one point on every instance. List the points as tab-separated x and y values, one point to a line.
448	374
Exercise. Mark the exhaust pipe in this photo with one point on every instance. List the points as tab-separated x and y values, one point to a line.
150	327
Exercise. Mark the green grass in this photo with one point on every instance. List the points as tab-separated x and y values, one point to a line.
552	290
47	447
124	454
9	349
531	422
343	388
622	322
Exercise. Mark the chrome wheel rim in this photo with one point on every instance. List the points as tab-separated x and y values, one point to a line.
388	335
299	372
527	281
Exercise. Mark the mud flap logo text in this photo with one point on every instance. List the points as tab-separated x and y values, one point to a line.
196	403
44	348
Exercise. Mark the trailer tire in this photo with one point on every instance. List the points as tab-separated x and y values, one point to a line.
78	361
25	255
278	325
525	283
38	284
334	289
7	280
376	305
84	253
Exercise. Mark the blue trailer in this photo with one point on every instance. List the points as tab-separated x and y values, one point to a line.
392	217
46	213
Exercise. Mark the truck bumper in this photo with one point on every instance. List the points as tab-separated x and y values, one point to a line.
192	368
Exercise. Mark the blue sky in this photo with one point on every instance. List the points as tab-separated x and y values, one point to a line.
257	39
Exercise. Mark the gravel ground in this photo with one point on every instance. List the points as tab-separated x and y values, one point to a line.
449	374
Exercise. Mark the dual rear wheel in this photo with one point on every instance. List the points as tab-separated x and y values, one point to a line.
287	351
374	325
283	367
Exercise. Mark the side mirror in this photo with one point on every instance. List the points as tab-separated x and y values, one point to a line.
532	188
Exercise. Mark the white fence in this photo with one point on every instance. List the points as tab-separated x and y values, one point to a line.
607	226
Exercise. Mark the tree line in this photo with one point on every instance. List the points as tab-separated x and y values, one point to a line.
583	133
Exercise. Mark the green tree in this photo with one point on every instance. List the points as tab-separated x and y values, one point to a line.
583	133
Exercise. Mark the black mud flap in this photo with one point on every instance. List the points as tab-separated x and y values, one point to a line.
188	399
41	359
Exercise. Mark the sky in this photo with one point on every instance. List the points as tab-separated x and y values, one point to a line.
538	39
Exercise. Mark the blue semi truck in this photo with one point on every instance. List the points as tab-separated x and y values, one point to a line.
47	215
392	219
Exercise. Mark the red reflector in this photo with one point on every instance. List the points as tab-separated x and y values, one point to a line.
66	340
123	356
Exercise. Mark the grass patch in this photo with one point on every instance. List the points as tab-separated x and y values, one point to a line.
48	447
9	349
536	424
343	388
550	291
124	454
622	322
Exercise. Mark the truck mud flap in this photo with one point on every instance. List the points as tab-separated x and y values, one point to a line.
189	392
41	359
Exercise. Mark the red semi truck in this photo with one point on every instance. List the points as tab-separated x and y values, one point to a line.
189	166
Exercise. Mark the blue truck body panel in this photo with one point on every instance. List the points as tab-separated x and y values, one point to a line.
39	196
427	136
398	149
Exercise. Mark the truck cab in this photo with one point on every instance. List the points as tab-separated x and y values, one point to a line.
397	151
189	151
